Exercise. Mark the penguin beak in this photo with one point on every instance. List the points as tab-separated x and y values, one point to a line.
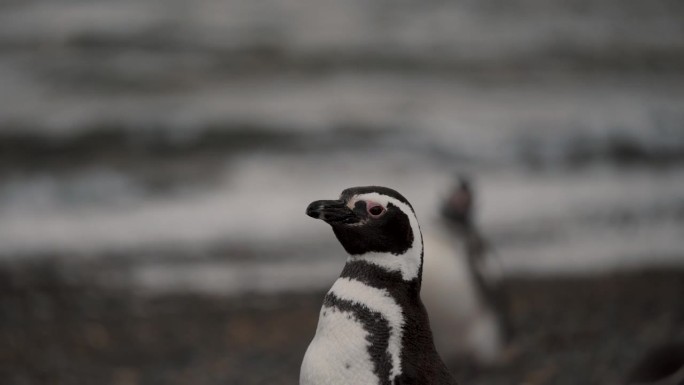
332	212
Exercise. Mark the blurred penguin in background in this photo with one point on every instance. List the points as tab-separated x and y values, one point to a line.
462	284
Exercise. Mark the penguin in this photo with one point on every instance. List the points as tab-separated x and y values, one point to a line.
468	307
373	328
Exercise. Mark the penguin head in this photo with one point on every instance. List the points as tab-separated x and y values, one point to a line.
370	219
458	206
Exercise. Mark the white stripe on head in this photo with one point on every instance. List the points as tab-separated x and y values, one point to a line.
410	261
380	301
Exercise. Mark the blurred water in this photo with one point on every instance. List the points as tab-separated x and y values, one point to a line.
186	139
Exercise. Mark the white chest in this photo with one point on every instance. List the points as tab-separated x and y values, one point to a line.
338	353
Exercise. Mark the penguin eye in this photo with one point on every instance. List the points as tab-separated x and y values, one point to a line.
375	210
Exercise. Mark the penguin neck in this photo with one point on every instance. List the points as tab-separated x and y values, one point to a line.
387	270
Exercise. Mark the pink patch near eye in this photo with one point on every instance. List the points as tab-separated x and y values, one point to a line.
374	209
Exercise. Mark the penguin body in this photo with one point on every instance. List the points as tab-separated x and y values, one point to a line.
373	327
463	322
468	310
358	336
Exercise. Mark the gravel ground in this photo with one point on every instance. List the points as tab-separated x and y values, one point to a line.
57	329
